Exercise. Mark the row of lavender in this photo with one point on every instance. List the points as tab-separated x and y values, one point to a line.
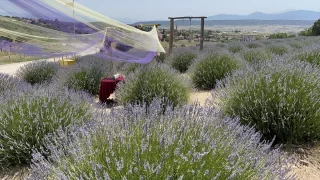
262	94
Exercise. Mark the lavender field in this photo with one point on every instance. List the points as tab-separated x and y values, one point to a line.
264	98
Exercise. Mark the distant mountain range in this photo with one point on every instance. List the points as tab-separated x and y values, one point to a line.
289	15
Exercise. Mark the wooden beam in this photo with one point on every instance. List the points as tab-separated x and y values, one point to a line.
188	17
171	35
202	33
185	17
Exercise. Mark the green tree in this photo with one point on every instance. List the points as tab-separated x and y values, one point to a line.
306	32
316	28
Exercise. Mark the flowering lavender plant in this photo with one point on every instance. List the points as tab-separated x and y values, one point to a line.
38	72
208	70
85	75
27	117
312	57
277	49
154	81
235	47
188	143
280	98
183	61
253	45
10	83
255	55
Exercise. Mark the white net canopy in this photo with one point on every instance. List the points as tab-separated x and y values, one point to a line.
63	27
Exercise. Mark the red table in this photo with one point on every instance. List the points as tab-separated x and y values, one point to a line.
108	86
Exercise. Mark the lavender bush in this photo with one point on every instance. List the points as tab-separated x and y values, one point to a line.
188	143
253	45
277	49
154	81
312	57
296	45
161	57
255	55
27	117
85	75
235	47
38	72
131	68
183	61
280	99
9	83
207	71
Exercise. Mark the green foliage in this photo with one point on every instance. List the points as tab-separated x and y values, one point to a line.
312	57
255	55
214	67
191	142
221	45
253	45
266	42
161	57
131	68
296	45
235	48
85	75
307	32
316	28
281	99
27	118
278	49
38	72
182	62
9	83
281	36
155	81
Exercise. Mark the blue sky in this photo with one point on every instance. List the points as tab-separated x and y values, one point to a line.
161	10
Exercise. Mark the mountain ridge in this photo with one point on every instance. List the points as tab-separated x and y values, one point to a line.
289	15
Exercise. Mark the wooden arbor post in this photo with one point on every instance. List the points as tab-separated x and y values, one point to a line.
172	30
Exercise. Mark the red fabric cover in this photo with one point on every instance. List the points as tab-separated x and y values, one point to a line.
108	86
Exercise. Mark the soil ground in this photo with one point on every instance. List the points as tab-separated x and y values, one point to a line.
307	157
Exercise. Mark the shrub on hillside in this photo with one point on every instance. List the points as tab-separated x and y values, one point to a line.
266	42
155	81
161	57
281	99
221	45
255	55
207	71
10	83
296	45
316	28
188	143
38	72
85	75
312	57
182	62
281	36
306	32
278	49
253	45
27	118
234	48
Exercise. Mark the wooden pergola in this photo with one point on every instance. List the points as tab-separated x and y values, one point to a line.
185	17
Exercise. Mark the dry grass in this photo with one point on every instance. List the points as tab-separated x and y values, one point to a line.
14	58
